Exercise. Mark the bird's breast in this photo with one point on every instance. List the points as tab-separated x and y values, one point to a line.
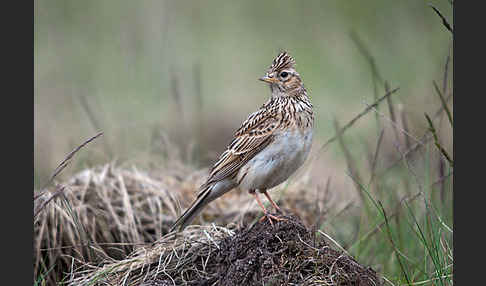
280	159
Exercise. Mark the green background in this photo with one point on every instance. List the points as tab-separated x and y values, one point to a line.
140	70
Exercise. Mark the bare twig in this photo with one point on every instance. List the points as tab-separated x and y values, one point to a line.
444	103
375	157
58	191
404	121
366	53
436	140
395	125
426	137
446	72
68	158
441	109
441	179
444	82
444	21
392	112
375	74
352	121
409	168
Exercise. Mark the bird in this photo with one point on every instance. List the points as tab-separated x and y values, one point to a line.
268	147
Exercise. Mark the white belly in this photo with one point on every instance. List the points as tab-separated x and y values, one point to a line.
277	161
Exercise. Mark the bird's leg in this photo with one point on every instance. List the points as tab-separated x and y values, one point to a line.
266	214
277	209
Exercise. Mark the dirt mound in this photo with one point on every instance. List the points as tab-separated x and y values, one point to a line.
286	253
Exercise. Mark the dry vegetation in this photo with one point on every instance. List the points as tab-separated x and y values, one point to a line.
105	213
109	227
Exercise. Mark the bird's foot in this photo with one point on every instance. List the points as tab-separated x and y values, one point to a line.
271	217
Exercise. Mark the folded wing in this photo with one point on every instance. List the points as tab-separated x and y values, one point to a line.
252	137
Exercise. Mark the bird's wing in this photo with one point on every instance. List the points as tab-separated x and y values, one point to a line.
254	135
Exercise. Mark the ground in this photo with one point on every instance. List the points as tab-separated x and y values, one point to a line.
285	253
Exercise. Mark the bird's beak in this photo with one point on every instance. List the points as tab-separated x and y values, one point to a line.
268	79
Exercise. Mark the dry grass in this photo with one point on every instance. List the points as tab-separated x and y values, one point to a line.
168	254
104	212
107	212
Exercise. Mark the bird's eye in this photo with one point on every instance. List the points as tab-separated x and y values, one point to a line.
284	74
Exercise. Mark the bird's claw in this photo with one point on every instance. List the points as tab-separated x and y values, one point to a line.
271	217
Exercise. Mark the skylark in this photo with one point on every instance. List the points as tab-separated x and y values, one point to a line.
270	145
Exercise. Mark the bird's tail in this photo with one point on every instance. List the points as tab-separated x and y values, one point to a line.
185	219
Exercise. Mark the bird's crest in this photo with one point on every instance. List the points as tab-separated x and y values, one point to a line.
282	61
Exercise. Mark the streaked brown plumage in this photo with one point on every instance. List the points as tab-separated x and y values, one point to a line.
268	147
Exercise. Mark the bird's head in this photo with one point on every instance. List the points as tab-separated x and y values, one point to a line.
281	75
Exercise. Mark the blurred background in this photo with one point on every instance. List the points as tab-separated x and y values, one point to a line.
163	77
